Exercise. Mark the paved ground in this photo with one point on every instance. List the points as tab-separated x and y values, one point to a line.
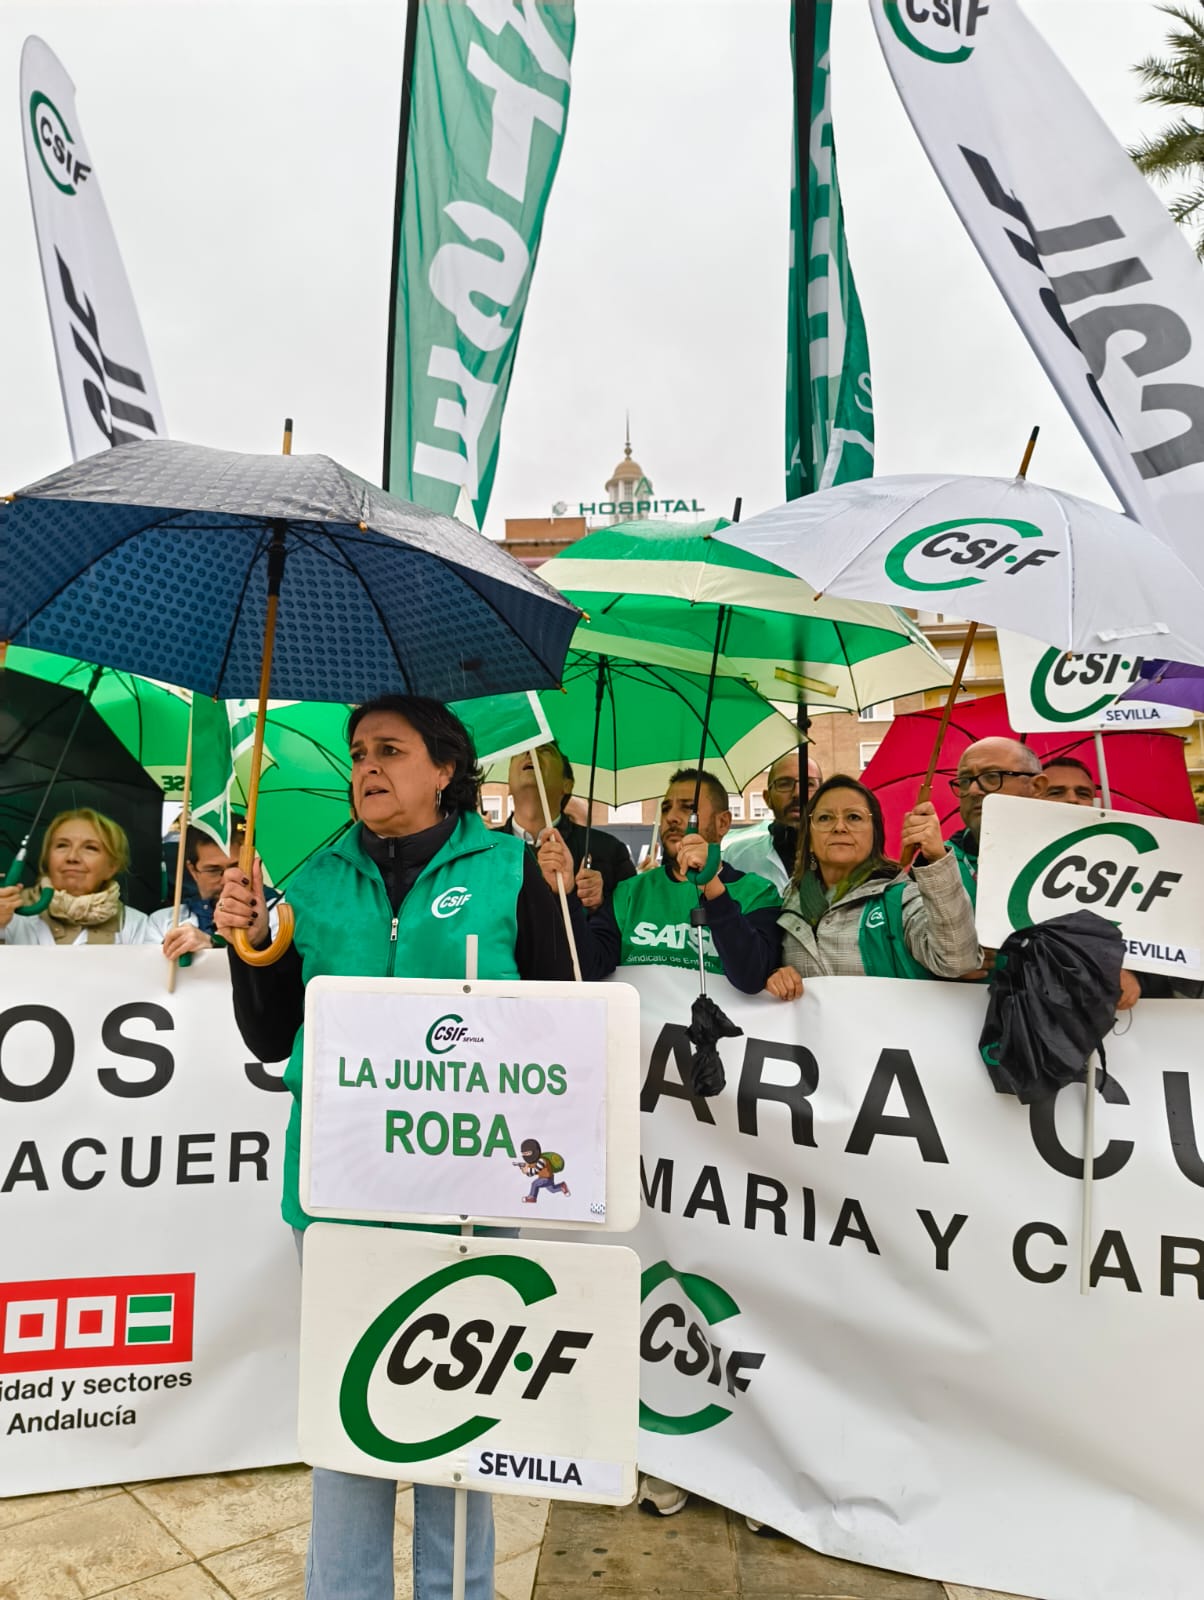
241	1536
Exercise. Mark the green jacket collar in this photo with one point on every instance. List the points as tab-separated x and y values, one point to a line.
469	837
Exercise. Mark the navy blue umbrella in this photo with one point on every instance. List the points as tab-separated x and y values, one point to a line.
283	576
155	558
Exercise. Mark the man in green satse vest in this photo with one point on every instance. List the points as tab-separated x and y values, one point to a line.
647	923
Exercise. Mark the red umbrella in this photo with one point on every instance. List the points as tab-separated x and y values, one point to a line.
1146	771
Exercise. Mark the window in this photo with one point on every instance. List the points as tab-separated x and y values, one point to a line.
954	656
735	804
882	712
633	811
867	752
757	809
491	804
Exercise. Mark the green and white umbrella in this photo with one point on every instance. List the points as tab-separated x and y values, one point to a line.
667	592
645	721
303	797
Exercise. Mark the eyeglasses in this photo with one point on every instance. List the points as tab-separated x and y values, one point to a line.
825	821
206	872
990	781
784	785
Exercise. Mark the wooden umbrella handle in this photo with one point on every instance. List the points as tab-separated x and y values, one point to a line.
285	921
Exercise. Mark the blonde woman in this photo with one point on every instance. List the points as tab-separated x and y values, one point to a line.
83	854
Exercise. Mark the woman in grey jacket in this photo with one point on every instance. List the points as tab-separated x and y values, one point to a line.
851	912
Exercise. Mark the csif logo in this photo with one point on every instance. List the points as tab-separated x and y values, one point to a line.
447	1032
932	558
1065	687
53	140
1084	868
685	1339
451	901
475	1356
942	31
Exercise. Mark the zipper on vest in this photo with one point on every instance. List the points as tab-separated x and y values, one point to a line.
392	948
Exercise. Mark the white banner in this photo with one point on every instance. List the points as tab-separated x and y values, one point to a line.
1054	691
104	367
863	1320
471	1362
149	1291
1144	874
1107	291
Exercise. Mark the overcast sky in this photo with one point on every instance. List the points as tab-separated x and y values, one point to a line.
246	153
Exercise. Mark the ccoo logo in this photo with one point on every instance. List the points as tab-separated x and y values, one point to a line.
473	1356
947	555
53	140
942	31
1083	869
672	1334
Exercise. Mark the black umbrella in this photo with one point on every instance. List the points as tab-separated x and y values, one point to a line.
284	575
44	724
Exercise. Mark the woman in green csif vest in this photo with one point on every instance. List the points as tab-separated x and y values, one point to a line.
396	895
851	912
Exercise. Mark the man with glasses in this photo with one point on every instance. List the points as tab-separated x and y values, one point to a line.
1000	766
206	862
992	766
770	852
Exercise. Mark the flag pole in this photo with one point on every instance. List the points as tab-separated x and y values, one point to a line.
174	964
1085	1229
403	148
564	899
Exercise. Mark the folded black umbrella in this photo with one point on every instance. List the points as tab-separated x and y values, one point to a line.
708	1024
1053	997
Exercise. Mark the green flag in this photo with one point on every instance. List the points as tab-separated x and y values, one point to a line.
829	408
212	768
484	103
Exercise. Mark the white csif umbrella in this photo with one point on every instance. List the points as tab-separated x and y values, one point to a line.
1002	551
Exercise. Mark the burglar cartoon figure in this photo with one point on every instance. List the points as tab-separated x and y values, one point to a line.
541	1166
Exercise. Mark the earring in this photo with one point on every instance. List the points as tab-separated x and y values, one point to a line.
438	801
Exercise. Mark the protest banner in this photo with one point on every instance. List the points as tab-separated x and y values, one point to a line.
1104	285
861	1317
149	1291
1054	691
423	1096
408	1340
877	1255
1146	875
109	391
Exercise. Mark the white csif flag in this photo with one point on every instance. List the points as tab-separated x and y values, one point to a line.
1109	294
109	390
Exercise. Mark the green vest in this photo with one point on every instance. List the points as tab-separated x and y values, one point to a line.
880	938
346	928
653	914
967	865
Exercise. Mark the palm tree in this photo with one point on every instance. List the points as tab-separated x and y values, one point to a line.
1177	83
